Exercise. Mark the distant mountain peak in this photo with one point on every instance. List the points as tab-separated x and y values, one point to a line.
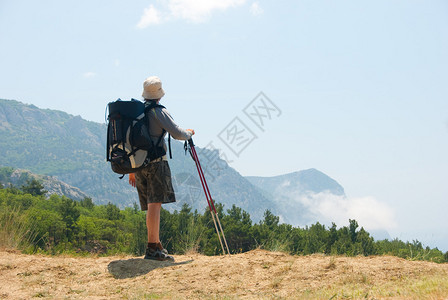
309	180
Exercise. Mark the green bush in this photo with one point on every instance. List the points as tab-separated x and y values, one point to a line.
57	224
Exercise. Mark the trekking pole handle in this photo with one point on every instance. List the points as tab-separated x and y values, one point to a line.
190	142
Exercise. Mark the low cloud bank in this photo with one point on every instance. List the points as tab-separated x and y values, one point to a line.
369	212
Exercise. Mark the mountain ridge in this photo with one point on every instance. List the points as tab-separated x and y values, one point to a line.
56	143
316	181
19	177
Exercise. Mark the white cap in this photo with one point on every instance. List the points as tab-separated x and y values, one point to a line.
152	88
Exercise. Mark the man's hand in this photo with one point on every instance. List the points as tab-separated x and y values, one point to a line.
191	130
132	179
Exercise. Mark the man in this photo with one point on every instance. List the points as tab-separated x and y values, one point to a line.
153	183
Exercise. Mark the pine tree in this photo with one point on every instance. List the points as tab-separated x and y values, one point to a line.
33	187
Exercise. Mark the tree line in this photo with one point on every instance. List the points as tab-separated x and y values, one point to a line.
56	224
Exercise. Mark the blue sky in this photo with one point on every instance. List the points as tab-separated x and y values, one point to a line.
361	87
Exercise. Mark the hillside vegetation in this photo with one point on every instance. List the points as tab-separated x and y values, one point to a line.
59	224
96	247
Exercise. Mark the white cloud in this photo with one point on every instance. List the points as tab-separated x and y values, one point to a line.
117	63
195	11
151	16
89	74
255	9
367	211
199	10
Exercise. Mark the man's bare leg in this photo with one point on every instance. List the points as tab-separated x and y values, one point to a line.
153	222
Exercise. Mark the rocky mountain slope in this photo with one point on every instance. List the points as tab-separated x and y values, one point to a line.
71	149
17	178
50	142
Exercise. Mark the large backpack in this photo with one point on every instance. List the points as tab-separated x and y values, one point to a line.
129	145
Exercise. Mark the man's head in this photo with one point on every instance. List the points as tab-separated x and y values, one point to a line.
152	88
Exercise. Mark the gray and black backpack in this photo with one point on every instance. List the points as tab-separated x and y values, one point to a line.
129	145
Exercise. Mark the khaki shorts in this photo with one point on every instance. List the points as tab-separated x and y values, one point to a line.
154	184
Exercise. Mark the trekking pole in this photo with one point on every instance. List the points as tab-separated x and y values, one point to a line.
208	196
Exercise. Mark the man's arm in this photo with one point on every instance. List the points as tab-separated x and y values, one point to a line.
166	122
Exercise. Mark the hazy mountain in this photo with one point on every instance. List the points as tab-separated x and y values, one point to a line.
71	149
55	143
292	192
304	181
50	142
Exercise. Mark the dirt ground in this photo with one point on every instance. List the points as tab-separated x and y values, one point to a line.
256	274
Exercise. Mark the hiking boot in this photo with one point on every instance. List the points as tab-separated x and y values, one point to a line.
160	247
157	246
157	254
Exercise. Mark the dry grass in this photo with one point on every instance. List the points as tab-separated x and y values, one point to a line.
14	230
191	238
257	274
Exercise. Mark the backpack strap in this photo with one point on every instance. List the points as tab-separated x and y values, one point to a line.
108	141
152	105
169	145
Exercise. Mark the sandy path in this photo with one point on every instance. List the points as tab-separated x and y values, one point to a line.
252	275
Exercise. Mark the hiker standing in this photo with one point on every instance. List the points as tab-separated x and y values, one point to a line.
153	183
